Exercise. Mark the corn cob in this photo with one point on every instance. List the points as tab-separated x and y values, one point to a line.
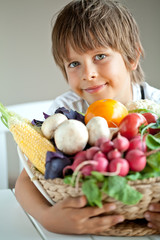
28	137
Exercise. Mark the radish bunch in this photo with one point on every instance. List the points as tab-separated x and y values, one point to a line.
111	157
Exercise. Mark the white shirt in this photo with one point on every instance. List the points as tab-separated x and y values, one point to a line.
150	93
71	100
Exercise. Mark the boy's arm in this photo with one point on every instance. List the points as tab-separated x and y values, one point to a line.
69	216
29	197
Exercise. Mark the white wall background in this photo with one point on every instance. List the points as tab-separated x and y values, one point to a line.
27	70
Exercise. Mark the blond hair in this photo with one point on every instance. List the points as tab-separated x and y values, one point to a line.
88	24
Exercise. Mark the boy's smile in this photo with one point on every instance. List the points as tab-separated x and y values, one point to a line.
95	89
98	74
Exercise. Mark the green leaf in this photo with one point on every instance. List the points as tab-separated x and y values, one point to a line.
157	124
133	176
147	172
97	175
150	174
157	135
81	113
152	141
105	186
119	189
92	192
67	180
154	161
143	128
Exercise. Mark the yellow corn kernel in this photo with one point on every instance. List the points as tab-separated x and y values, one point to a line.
31	142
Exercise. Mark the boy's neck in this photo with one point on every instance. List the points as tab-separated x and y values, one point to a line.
128	96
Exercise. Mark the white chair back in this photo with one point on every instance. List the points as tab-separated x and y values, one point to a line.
31	110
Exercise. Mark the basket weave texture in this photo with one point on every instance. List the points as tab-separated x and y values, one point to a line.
134	225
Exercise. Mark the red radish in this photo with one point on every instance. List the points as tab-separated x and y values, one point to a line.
100	141
114	154
99	154
136	159
78	158
86	170
151	118
107	146
138	143
124	166
90	152
129	126
102	164
121	143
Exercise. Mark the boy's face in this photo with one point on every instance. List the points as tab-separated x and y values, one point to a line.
98	74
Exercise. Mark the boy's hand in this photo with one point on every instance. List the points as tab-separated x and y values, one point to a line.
153	216
73	216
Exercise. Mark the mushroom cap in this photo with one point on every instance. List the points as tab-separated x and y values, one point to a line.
71	136
97	128
51	123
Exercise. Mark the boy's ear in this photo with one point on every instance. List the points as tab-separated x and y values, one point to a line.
135	63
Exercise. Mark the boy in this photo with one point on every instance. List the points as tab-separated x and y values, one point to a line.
96	44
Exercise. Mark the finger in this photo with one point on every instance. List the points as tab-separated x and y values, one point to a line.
151	225
154	207
74	202
152	217
95	211
101	224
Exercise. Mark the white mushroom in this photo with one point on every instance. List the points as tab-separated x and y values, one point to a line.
51	123
71	136
97	128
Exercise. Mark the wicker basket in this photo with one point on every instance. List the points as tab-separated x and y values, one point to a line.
134	225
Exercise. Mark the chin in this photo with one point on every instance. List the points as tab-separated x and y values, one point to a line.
94	99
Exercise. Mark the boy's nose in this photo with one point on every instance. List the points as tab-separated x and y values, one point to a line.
89	73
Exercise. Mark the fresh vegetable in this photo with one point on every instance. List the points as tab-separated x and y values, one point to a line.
55	163
103	167
51	123
97	184
138	142
97	128
113	154
136	159
111	110
102	164
98	168
124	166
90	152
28	137
121	143
151	118
78	159
71	114
71	136
151	126
106	145
142	106
129	126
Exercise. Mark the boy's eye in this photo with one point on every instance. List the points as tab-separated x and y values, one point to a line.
100	56
73	64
